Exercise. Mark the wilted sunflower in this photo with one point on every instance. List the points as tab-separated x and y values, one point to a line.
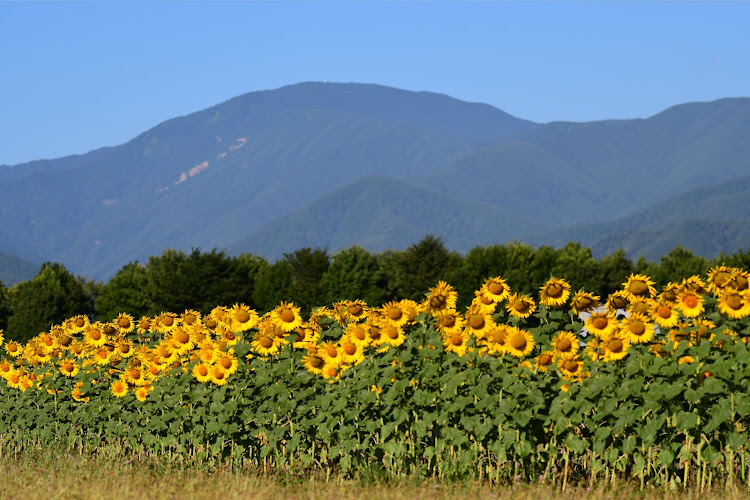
495	289
440	298
664	314
659	349
287	316
518	342
733	303
592	349
639	285
555	292
583	301
520	306
565	343
690	303
637	329
601	324
681	333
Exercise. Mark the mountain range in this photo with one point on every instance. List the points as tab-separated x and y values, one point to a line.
333	165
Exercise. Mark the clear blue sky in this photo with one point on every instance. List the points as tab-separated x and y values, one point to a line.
79	76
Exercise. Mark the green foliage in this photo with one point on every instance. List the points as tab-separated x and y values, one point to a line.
128	290
411	272
272	285
354	274
4	306
49	298
307	267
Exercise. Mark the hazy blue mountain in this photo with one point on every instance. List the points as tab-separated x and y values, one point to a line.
707	220
14	269
382	213
339	164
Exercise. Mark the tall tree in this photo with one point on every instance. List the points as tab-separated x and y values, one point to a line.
4	306
307	267
49	298
412	272
354	274
126	292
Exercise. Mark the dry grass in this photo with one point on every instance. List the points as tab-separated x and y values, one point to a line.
76	477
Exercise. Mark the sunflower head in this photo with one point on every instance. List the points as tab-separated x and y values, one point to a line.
555	292
520	306
639	285
494	289
583	301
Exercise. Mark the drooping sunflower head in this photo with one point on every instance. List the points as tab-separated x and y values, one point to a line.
617	301
520	306
554	293
583	301
639	285
495	289
734	303
694	284
740	281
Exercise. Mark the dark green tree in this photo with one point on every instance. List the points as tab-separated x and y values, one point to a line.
49	298
178	281
4	306
307	267
673	267
412	272
126	292
354	274
272	285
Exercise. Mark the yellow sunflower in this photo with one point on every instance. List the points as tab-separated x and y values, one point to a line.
440	298
13	348
483	302
690	303
495	289
449	322
554	293
669	293
544	361
357	333
68	367
740	281
393	314
694	284
570	366
637	329
202	372
583	301
664	314
94	336
641	305
520	306
617	301
564	343
733	303
601	324
242	318
495	338
392	334
330	353
357	310
313	362
265	344
476	321
719	277
456	343
124	323
614	347
218	375
592	348
119	388
286	315
518	342
351	353
639	285
166	322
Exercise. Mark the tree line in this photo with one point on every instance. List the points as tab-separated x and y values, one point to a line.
310	277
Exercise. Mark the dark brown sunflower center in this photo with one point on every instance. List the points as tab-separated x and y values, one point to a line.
583	302
664	312
350	349
123	323
449	321
555	290
600	323
287	315
243	316
615	346
638	287
721	278
212	323
521	306
496	288
167	321
734	301
571	365
356	310
391	332
457	340
518	342
545	360
637	327
394	313
437	301
476	321
619	302
265	342
641	308
564	345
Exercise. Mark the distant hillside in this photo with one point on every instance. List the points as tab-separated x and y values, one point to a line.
324	164
707	220
382	213
14	269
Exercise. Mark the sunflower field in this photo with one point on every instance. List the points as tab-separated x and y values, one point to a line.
644	385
